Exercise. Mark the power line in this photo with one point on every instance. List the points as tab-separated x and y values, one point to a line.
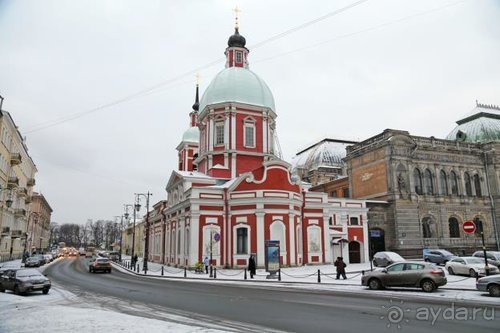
191	72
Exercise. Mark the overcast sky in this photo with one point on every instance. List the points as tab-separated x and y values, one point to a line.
411	65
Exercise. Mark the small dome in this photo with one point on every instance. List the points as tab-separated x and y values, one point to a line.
236	40
237	84
326	153
191	135
482	124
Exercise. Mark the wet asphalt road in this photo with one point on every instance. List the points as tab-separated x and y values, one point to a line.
266	309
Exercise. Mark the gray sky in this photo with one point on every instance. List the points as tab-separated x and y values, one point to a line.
410	65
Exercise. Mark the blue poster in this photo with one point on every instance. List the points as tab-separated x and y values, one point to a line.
272	256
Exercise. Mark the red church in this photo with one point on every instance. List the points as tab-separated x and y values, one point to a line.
232	193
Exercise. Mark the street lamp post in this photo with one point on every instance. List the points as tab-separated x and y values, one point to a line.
146	228
211	244
133	235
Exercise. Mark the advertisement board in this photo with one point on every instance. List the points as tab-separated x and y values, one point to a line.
272	255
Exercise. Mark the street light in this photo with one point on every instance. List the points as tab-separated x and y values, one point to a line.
126	215
146	229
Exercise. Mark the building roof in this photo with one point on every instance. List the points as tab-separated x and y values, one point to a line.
482	124
192	134
324	153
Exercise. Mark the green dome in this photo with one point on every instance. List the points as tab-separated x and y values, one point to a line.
237	84
191	135
481	125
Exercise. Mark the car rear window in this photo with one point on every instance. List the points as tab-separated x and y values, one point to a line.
28	272
102	261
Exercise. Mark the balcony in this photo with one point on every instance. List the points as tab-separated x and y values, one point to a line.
31	182
18	212
5	231
22	191
15	159
16	233
12	182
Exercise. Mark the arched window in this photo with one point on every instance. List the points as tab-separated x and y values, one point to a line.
278	233
427	227
477	185
454	183
195	166
179	242
219	132
249	133
479	226
443	183
242	241
468	185
429	189
454	228
417	177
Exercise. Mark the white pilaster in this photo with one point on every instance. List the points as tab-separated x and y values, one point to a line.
291	229
194	243
233	128
265	129
326	237
260	239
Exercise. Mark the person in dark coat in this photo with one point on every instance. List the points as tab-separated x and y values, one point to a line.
340	265
135	258
251	266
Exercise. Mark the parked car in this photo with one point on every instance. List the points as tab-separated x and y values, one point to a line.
438	256
493	257
386	258
40	257
113	255
491	284
471	266
24	280
406	274
32	262
48	258
100	264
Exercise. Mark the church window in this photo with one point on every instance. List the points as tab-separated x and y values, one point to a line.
239	57
242	241
454	183
429	189
219	133
417	177
454	228
477	185
468	184
353	221
443	183
278	233
249	132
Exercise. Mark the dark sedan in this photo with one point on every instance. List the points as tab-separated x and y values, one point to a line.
24	280
32	262
408	274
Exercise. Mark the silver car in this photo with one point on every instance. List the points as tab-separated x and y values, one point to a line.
491	284
386	258
471	266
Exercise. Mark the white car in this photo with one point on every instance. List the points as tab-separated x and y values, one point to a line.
471	266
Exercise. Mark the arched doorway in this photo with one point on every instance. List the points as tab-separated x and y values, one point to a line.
377	240
354	252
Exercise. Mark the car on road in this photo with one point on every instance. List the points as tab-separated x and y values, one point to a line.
471	266
491	284
40	257
386	258
493	257
406	274
113	255
32	262
24	280
100	264
438	256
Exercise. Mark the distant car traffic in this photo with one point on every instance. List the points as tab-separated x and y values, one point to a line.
406	274
471	266
493	257
491	284
438	256
386	258
100	264
24	280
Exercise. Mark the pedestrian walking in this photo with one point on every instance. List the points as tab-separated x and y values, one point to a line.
251	266
206	262
340	265
135	258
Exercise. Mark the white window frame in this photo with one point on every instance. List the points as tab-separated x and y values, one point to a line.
219	133
249	123
238	54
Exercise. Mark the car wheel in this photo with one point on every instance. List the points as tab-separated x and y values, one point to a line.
90	269
45	291
450	270
375	284
2	289
16	290
428	286
494	290
472	273
426	260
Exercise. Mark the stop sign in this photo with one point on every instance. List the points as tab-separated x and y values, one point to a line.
469	227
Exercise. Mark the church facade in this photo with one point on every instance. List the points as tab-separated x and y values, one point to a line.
232	193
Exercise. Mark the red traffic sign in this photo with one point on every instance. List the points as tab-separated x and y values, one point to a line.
469	227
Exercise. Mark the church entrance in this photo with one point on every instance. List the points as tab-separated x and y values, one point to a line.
354	253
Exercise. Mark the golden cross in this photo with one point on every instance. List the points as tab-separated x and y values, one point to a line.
197	79
236	14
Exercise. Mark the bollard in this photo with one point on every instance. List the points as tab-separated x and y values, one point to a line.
185	272
319	276
138	268
362	272
161	270
215	272
245	276
279	274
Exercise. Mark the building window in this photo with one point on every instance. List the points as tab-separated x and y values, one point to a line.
219	133
427	228
477	185
454	228
468	185
353	221
239	57
345	193
242	241
417	177
334	194
429	189
443	182
330	220
249	130
179	242
454	183
479	226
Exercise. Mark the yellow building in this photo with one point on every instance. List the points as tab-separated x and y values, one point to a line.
39	224
128	238
17	172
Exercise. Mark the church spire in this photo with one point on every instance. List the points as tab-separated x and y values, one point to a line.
236	52
193	115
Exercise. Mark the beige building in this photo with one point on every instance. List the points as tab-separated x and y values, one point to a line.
128	238
39	223
17	172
